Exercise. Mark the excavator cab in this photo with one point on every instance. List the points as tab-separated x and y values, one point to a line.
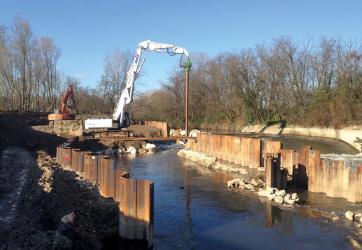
67	107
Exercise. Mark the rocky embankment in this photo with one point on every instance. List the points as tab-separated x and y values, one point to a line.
210	162
258	186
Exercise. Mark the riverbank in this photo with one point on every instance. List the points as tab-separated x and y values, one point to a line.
43	206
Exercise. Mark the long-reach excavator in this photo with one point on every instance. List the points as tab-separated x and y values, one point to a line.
120	119
67	105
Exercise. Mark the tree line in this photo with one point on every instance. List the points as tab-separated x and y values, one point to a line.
313	83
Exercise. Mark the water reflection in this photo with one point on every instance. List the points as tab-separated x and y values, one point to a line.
272	215
195	210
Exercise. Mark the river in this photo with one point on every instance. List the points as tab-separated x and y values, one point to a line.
193	209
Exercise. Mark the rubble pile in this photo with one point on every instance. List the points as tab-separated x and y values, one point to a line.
258	186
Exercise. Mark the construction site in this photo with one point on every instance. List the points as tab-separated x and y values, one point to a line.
251	149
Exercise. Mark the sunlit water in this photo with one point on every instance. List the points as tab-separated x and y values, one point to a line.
195	210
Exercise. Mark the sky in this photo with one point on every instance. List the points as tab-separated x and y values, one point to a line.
86	31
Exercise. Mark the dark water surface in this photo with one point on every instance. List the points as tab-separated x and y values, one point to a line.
195	210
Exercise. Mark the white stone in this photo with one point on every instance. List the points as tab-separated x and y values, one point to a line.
150	147
263	192
68	219
357	216
271	190
194	133
279	199
290	202
295	196
260	181
349	215
254	182
280	193
271	196
173	132
132	150
335	218
249	186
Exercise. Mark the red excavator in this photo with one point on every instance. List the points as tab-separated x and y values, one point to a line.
67	107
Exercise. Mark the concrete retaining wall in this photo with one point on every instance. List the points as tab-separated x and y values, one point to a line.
162	126
349	135
68	128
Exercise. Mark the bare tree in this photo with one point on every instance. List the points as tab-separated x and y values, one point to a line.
114	76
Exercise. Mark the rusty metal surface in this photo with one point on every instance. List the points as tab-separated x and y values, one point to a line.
67	157
74	158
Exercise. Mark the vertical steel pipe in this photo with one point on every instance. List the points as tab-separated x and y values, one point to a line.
187	71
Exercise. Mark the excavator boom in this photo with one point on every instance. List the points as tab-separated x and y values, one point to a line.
132	74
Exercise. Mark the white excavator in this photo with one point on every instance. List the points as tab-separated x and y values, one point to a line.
120	118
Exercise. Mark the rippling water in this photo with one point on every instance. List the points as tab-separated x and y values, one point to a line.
195	210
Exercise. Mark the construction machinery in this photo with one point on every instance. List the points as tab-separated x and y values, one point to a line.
120	118
67	107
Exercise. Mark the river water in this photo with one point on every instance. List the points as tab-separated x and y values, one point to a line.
193	209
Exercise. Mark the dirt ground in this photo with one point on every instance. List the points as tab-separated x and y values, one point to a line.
35	193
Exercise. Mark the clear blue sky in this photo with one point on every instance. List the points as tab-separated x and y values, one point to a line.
87	30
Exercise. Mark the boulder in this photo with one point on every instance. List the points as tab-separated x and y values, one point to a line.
254	182
194	133
132	150
290	201
173	132
357	216
349	215
279	199
236	183
150	147
249	187
294	196
280	193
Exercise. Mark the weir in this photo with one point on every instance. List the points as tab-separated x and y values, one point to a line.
304	168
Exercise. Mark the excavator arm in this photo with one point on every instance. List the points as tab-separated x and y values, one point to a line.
132	74
137	63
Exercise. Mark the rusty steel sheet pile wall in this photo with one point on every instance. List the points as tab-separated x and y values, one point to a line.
135	197
235	149
136	209
335	178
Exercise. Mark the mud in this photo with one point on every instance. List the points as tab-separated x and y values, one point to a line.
35	193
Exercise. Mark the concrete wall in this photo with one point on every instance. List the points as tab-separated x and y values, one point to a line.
162	126
348	134
68	128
